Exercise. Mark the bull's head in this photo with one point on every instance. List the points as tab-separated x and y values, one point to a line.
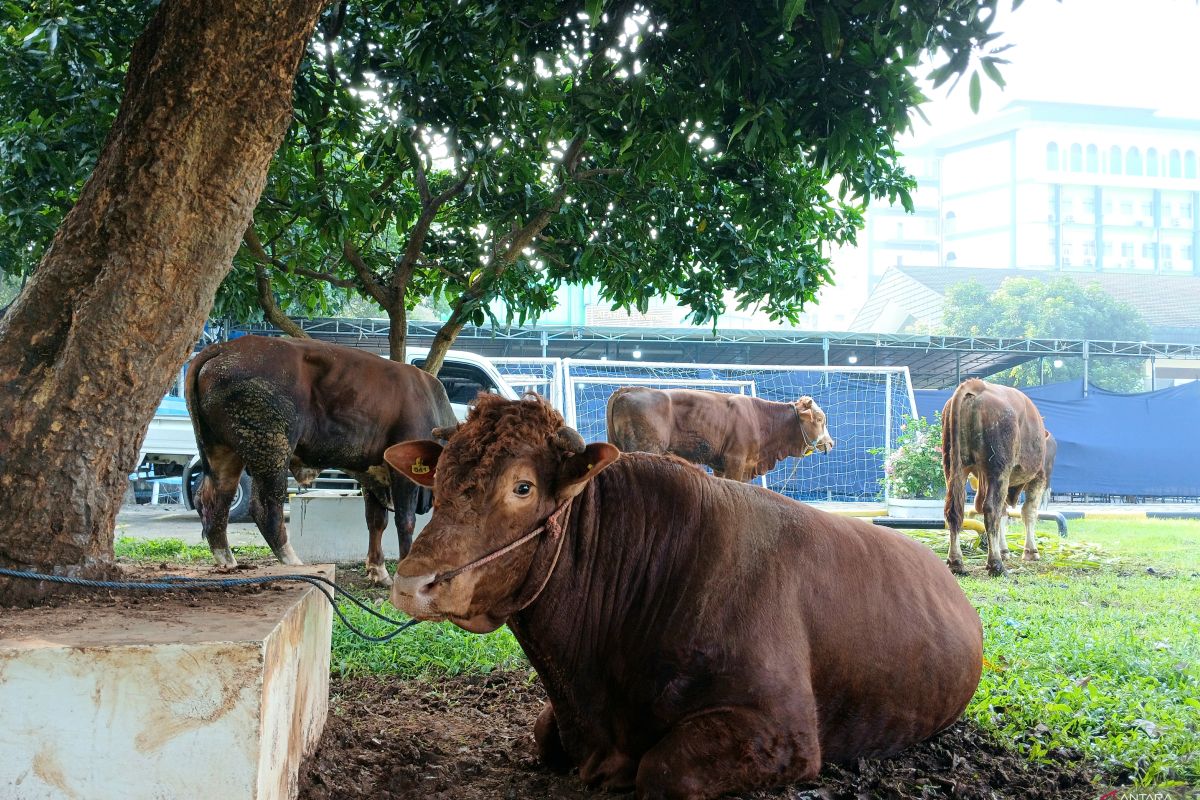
487	498
814	433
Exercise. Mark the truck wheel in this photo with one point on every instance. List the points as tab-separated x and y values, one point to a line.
239	509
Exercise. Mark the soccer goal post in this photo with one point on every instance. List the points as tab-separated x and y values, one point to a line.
864	406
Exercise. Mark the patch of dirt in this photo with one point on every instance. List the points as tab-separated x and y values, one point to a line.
471	738
77	615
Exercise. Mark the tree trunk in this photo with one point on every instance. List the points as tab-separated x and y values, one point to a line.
442	340
397	330
119	299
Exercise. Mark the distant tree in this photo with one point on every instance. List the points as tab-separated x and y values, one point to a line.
471	151
1059	308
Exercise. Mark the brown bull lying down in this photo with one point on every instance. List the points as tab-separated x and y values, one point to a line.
738	436
994	433
696	636
269	405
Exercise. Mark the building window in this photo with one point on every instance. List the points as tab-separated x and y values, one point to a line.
1108	205
951	257
1189	164
950	222
1133	161
1174	164
1148	250
1052	156
1187	252
1089	249
1166	250
1089	204
1127	207
1093	158
1108	249
1114	160
1185	209
1076	158
1126	249
1152	162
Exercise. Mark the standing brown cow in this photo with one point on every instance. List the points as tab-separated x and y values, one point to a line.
738	436
994	433
269	405
695	636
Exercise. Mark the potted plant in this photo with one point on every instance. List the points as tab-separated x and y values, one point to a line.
912	472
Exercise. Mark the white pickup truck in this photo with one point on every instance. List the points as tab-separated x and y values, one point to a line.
169	455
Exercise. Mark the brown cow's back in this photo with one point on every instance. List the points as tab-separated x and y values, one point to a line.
692	591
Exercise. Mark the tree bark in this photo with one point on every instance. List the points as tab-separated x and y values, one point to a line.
119	299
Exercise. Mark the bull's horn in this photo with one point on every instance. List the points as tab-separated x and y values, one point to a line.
444	433
569	439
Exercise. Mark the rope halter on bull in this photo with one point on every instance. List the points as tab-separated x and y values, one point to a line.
571	442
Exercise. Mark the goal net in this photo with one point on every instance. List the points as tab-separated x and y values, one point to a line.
864	407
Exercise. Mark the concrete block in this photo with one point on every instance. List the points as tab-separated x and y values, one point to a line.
212	698
332	528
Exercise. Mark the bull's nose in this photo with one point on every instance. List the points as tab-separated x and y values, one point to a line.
411	594
828	445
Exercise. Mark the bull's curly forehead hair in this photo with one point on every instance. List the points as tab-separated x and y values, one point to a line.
495	429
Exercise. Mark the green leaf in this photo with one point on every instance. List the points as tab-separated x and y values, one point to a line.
595	9
976	91
993	72
792	10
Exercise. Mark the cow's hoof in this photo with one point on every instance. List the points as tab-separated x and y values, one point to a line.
997	570
956	567
377	575
224	558
1030	555
287	555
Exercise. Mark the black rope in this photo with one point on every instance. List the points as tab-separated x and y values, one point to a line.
178	582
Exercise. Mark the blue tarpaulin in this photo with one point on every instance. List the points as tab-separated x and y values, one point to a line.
1125	444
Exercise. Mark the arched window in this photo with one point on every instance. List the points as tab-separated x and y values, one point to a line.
1152	162
951	258
1114	161
1189	164
951	222
1076	158
1093	158
1133	161
1174	164
1052	156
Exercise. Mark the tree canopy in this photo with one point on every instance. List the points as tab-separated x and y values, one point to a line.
1059	308
460	153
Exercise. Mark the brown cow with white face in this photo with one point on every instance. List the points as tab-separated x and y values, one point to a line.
695	636
995	434
738	436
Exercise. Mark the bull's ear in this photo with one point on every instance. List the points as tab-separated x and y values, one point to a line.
416	460
805	402
578	469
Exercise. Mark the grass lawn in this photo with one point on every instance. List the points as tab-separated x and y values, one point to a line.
1093	652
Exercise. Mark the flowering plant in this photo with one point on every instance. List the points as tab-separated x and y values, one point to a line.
913	469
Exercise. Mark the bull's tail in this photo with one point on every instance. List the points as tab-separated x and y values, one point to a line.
960	403
191	395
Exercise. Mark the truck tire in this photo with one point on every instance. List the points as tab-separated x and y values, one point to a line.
239	509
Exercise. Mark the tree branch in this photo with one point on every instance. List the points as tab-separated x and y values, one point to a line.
251	240
365	276
271	309
410	147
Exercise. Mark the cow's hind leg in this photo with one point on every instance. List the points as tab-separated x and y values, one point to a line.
995	519
953	512
404	500
727	750
1029	514
213	497
266	506
377	519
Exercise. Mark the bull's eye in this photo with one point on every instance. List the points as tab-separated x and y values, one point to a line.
523	489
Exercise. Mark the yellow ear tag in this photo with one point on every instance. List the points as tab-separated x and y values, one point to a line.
418	468
591	465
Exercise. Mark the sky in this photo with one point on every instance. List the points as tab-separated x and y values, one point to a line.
1138	53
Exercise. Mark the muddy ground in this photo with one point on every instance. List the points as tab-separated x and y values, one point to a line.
471	737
